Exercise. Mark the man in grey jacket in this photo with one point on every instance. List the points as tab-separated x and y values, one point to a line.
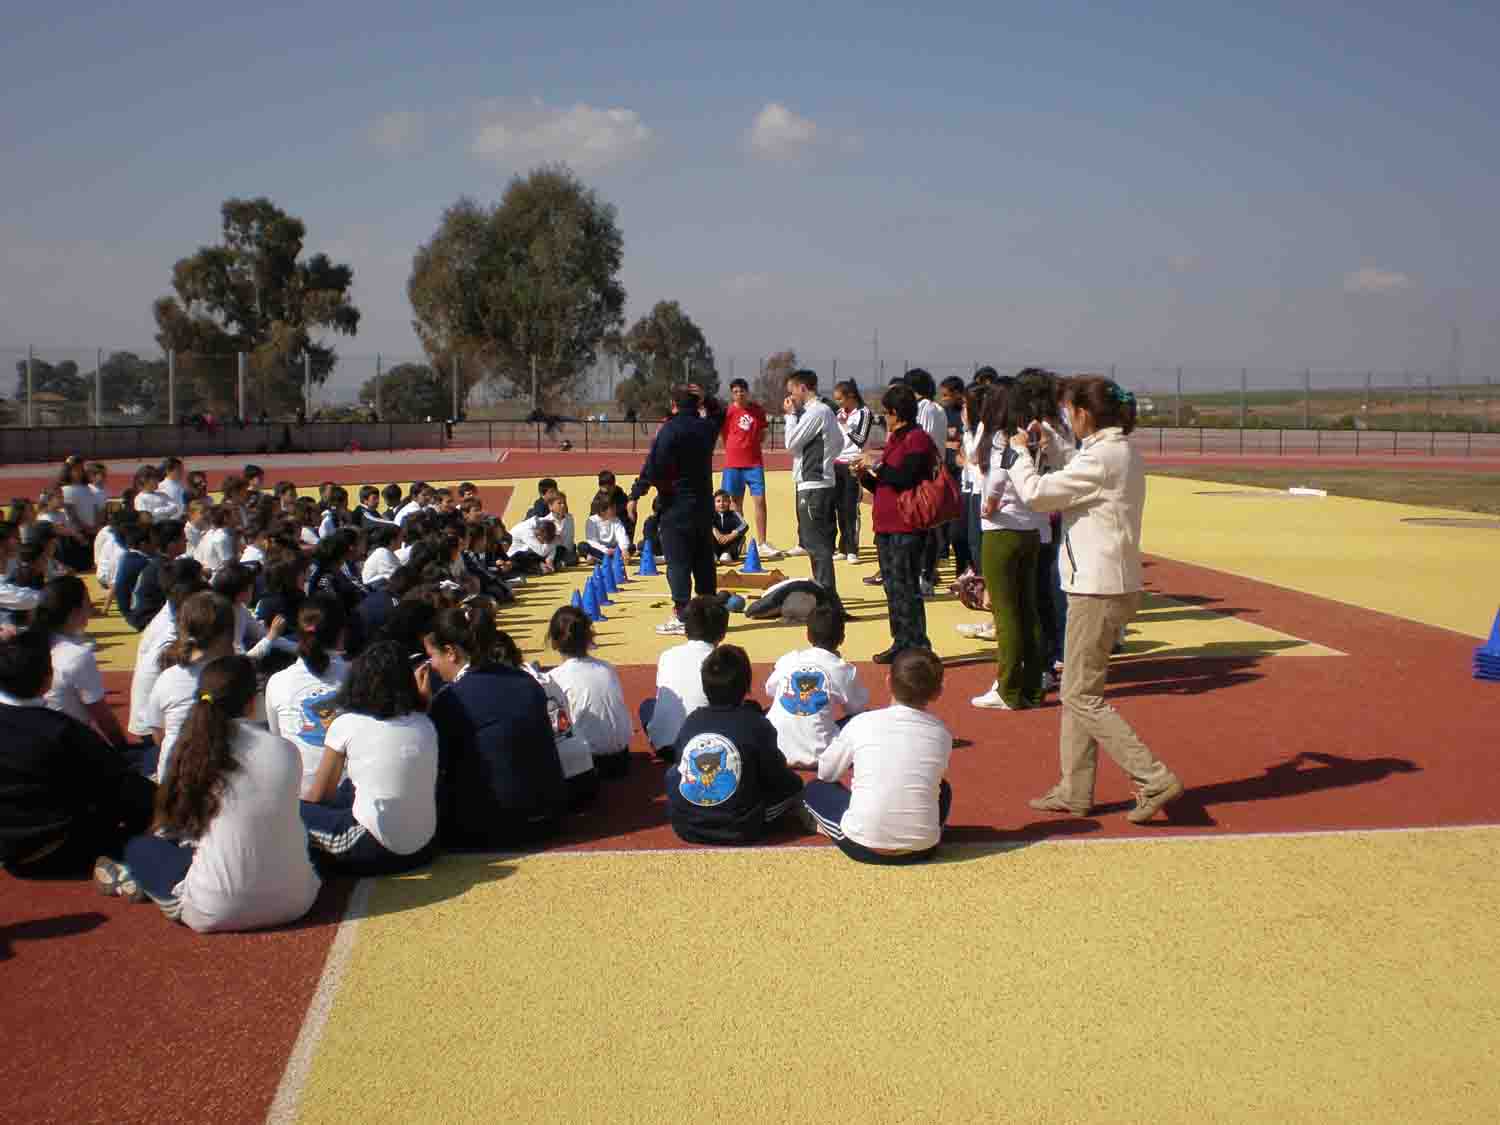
813	438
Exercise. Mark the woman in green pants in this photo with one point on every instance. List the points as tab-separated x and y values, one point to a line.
1011	543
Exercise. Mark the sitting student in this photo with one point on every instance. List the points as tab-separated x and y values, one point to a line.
228	851
596	701
576	755
156	504
500	781
15	598
651	529
195	525
308	517
286	581
139	550
182	580
205	632
391	494
419	498
899	756
146	595
806	686
382	818
679	686
375	608
729	528
65	796
545	488
533	545
603	532
335	511
72	540
109	544
476	538
252	637
329	573
217	548
621	501
557	512
77	688
98	475
300	698
730	780
366	513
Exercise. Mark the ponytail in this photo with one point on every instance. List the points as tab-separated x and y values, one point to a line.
571	632
202	759
319	623
202	620
470	628
61	598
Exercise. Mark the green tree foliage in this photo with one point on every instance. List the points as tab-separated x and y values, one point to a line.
254	293
58	379
769	387
533	276
410	392
133	384
666	348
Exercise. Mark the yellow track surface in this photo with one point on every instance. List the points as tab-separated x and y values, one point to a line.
1227	980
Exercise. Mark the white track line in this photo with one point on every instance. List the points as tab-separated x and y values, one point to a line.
283	1109
502	457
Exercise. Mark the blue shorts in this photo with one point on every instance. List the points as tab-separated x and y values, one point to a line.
736	480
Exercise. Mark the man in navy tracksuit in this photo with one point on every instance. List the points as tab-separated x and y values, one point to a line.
680	467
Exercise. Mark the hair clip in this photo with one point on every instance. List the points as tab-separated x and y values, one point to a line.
204	697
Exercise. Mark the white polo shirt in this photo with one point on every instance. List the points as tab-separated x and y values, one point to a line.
899	756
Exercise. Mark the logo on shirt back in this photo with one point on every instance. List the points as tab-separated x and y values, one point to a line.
318	712
709	770
805	693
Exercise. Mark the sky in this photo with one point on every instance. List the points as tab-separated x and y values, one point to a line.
1276	186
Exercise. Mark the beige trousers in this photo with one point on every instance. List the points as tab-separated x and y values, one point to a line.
1088	722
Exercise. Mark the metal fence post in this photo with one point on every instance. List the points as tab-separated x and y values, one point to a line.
1244	394
306	385
30	377
171	383
1307	398
99	388
1429	401
377	385
240	366
455	389
1177	410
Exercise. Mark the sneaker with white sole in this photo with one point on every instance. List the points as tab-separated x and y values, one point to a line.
851	558
1147	803
672	627
794	552
980	630
1051	802
766	551
991	700
724	558
113	879
1049	682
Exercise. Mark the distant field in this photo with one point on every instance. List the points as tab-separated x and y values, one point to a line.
1464	492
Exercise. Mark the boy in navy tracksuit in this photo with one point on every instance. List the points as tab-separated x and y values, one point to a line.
729	528
730	780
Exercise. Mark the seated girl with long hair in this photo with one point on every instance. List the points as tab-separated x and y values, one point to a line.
382	818
228	851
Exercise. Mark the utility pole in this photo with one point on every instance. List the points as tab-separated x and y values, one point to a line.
377	385
533	382
98	387
306	386
454	415
30	389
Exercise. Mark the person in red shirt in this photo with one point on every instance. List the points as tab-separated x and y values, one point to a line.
744	432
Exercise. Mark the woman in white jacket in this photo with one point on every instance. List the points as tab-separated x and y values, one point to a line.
1101	494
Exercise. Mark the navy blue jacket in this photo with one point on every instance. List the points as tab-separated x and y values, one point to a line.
499	777
680	466
729	771
127	570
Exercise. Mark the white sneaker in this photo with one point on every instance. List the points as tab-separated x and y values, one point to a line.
991	700
724	558
518	580
769	552
927	589
794	552
672	628
980	630
851	558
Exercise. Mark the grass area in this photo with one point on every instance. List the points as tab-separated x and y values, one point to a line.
1464	492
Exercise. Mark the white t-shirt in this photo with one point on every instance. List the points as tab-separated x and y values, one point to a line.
597	703
308	537
899	756
1011	514
76	683
80	497
679	690
933	419
574	753
805	687
393	764
159	505
160	632
605	535
410	508
251	866
973	474
106	554
215	549
252	554
193	534
299	707
523	538
175	491
169	704
380	563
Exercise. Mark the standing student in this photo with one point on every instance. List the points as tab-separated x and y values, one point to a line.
596	701
1101	494
1010	548
65	796
906	461
730	779
951	394
854	420
217	548
745	428
77	688
228	851
971	489
933	421
500	781
679	685
814	440
680	467
808	685
382	817
182	580
300	698
899	797
205	632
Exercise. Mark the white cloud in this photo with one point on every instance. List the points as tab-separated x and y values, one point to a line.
777	132
585	137
1372	280
396	133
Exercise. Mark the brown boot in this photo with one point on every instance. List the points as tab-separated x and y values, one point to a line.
1051	802
1146	803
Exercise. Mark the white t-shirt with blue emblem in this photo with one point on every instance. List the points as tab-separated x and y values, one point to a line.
299	707
805	687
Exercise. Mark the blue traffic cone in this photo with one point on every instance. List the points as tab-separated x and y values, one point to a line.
617	564
647	567
577	602
600	590
1492	647
752	560
590	604
607	576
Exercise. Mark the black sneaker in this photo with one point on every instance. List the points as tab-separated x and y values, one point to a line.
876	579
